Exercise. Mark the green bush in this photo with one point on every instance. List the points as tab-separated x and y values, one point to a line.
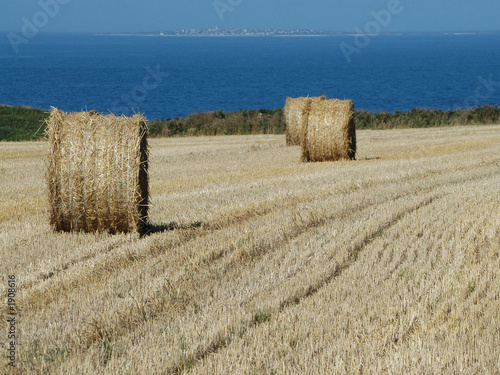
425	118
21	123
261	121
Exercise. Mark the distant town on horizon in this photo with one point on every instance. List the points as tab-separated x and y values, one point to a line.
270	32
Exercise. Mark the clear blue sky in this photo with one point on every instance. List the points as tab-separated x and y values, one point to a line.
338	15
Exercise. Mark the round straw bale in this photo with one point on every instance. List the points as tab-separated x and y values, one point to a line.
296	112
97	172
330	133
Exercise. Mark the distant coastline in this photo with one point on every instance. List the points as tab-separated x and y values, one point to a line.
216	32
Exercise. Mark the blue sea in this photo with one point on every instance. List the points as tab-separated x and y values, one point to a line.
167	77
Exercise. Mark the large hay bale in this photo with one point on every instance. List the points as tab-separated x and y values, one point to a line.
330	133
97	172
296	112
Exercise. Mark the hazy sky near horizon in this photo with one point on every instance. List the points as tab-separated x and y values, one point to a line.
157	15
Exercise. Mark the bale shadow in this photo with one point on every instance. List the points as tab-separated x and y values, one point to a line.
150	228
371	158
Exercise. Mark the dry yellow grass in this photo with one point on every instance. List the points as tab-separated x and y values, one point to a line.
390	264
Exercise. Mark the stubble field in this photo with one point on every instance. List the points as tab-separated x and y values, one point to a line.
261	264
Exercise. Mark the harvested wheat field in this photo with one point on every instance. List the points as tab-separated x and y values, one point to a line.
387	264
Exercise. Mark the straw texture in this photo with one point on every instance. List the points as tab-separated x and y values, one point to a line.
296	113
330	133
97	172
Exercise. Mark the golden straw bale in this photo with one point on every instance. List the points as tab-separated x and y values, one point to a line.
296	112
97	172
330	133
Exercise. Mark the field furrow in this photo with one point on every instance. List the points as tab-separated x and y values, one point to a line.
402	320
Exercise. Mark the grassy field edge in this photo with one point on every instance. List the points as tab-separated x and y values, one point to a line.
25	123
